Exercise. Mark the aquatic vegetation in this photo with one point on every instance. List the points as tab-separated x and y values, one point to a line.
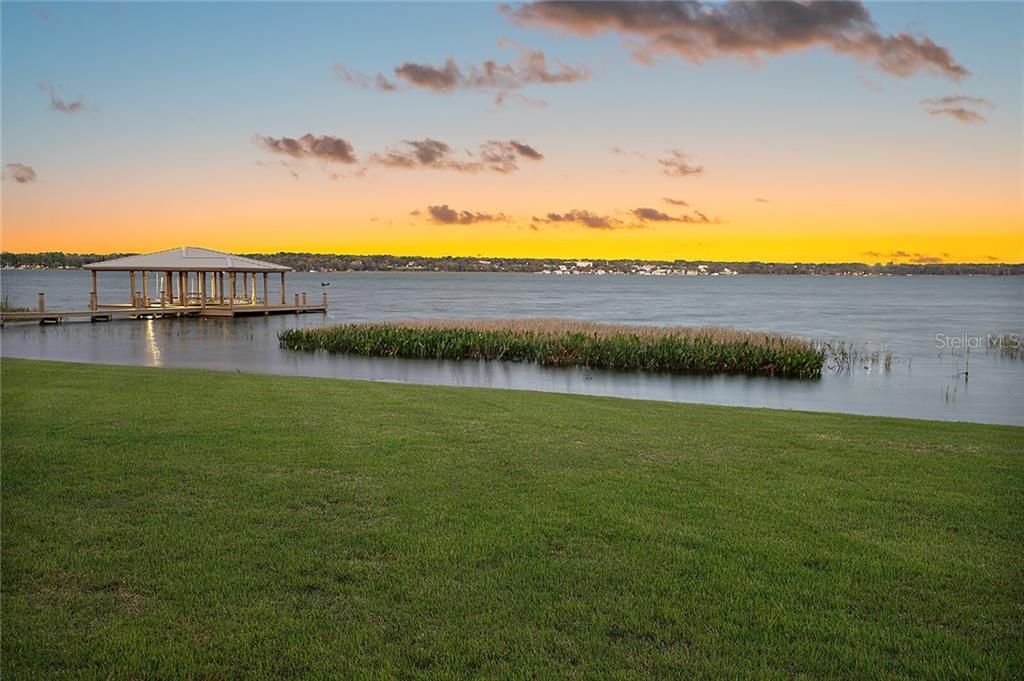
553	342
5	306
1009	345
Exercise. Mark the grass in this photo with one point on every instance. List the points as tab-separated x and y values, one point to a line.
186	524
555	342
5	306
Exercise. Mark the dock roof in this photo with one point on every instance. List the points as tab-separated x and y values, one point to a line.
187	259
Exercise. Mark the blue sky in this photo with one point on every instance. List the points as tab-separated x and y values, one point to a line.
174	95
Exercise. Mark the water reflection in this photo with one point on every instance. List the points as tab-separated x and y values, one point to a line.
152	345
250	345
889	324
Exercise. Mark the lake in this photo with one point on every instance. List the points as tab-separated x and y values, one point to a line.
920	323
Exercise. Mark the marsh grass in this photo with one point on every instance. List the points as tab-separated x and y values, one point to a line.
557	342
5	306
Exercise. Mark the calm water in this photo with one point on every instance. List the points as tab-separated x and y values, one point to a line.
876	316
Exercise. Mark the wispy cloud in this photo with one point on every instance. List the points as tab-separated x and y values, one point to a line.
619	151
531	68
909	256
59	104
700	31
449	216
674	202
960	107
20	173
678	165
761	200
494	156
655	215
326	148
869	84
583	217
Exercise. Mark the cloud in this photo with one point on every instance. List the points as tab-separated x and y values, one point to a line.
449	216
495	156
505	96
583	217
914	257
378	82
524	150
619	151
654	215
531	68
326	148
674	202
676	164
701	31
869	84
58	104
957	107
20	173
761	200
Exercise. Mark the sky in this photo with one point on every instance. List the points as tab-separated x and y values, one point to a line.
784	131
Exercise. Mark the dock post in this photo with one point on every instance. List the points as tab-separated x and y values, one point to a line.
42	302
145	289
234	292
131	284
325	298
94	296
283	299
296	300
303	299
266	290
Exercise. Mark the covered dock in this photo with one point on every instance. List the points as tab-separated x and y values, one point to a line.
185	281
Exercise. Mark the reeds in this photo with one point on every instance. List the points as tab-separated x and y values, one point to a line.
553	342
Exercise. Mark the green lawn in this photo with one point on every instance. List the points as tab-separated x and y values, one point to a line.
168	524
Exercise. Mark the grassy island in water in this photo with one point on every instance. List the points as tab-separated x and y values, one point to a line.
704	350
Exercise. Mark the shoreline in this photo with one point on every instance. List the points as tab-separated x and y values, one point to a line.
529	391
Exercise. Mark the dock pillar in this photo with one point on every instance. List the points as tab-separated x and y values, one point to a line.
325	298
42	302
231	301
303	299
283	299
266	290
94	296
131	285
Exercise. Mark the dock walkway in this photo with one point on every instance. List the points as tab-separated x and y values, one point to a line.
106	314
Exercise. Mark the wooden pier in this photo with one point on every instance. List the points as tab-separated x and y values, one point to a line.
188	282
107	314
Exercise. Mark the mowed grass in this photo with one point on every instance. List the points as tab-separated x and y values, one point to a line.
173	524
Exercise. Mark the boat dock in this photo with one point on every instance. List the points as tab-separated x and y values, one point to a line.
183	282
107	313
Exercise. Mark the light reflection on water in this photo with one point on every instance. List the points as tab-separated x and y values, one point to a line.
880	316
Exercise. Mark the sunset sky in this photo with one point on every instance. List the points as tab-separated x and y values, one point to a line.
726	131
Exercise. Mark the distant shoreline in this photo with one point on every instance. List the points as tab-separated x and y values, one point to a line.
323	263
